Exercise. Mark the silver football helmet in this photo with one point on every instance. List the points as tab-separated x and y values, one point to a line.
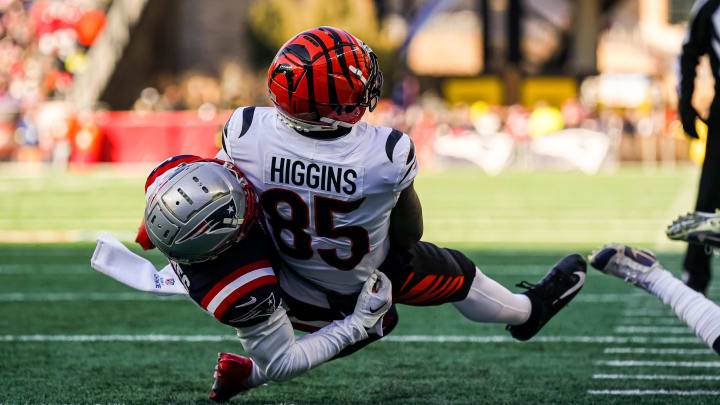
199	210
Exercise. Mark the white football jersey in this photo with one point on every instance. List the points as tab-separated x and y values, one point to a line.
327	202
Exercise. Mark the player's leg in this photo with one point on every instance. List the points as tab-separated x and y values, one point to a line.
429	275
235	374
642	269
696	264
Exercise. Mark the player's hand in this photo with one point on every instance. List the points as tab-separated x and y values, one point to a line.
375	299
688	115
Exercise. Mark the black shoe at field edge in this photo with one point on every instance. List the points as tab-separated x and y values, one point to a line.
559	286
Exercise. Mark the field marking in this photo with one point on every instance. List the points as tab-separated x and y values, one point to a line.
673	330
638	363
117	338
90	296
652	321
683	202
395	339
84	268
60	236
44	269
665	351
647	314
655	377
138	296
653	392
608	297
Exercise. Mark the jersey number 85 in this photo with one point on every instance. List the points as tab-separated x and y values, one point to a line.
299	220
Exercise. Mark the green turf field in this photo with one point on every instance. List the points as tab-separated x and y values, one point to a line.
71	335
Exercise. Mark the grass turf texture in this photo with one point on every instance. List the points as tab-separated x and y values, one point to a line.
514	226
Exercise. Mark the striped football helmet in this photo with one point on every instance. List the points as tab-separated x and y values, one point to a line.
324	78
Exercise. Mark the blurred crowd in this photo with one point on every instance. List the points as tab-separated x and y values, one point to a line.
42	46
633	134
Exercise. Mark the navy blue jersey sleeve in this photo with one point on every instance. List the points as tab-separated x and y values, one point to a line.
239	286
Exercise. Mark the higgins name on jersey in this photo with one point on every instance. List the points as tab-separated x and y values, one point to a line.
321	177
326	201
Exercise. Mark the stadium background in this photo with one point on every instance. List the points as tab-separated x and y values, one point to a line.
542	127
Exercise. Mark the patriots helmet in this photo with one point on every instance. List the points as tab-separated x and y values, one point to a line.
324	78
199	210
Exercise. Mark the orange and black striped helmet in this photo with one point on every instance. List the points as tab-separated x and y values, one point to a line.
324	78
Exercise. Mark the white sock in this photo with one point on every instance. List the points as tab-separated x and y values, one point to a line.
488	301
257	376
698	312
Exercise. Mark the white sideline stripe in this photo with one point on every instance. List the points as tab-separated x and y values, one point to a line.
636	363
60	269
667	351
401	339
133	296
122	296
653	392
652	321
655	377
647	313
594	298
673	330
117	338
544	339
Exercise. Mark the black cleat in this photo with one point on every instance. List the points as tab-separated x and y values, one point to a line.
551	294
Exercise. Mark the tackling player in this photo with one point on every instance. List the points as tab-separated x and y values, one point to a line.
202	214
641	268
338	194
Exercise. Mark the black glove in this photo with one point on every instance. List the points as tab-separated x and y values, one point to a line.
688	114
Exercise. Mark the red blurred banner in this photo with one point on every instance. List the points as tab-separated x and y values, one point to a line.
129	136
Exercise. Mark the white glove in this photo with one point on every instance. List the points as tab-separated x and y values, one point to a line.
374	301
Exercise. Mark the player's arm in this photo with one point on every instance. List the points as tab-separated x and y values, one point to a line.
406	221
272	345
696	44
115	260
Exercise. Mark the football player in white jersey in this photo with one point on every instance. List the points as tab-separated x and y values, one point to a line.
338	194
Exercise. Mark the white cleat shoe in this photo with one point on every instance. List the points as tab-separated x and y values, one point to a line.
696	227
637	266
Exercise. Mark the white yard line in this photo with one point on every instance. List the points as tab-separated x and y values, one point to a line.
653	392
132	296
89	296
50	269
391	338
638	363
673	330
655	377
609	298
665	351
646	313
634	321
682	203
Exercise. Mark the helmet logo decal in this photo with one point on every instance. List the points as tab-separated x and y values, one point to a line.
221	218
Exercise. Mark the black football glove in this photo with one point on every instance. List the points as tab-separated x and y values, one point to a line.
688	115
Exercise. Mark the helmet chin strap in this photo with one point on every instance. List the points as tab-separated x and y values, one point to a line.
297	125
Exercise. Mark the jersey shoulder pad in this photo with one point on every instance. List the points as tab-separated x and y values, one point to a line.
240	124
400	151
